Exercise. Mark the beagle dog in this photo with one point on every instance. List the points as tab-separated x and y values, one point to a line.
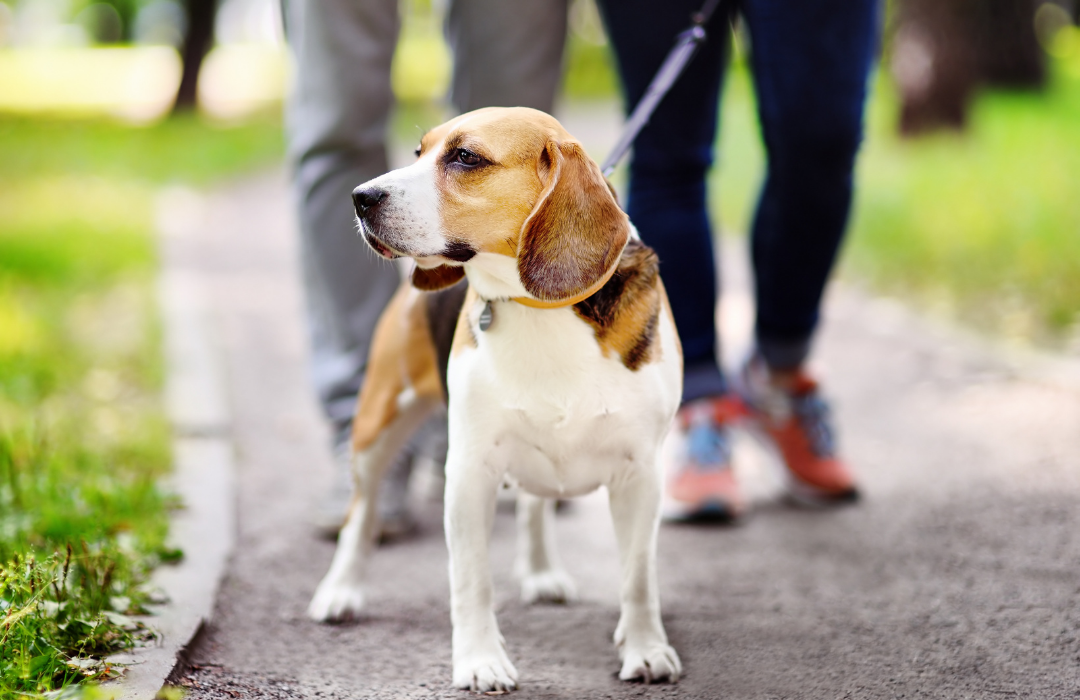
564	373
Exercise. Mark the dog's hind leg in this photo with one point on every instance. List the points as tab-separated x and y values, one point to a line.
542	577
640	637
401	389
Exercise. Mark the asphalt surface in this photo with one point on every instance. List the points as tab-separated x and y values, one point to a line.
957	576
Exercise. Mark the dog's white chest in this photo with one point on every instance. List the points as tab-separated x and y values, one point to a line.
557	461
538	399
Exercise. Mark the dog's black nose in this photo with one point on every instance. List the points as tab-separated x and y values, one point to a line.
364	198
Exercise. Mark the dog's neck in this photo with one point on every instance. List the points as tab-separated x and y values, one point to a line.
495	278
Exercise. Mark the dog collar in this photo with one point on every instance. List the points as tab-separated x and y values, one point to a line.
487	314
541	304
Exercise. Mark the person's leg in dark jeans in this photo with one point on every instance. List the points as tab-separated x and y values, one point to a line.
671	158
667	202
793	249
811	62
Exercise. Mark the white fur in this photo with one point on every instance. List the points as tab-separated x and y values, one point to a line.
537	402
495	276
409	219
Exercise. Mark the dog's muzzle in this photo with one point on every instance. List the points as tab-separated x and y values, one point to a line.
366	201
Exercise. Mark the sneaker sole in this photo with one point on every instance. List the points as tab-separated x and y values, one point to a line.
707	512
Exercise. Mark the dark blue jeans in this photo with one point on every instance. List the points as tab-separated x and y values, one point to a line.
811	61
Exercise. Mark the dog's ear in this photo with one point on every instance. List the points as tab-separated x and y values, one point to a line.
576	232
437	278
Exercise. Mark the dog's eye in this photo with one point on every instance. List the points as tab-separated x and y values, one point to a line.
467	157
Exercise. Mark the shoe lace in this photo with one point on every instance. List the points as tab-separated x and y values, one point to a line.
814	416
708	446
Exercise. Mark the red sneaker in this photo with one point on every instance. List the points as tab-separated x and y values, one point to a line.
797	421
701	483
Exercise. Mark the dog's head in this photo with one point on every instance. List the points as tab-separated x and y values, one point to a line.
506	191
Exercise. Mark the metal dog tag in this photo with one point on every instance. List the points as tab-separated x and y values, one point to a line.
486	317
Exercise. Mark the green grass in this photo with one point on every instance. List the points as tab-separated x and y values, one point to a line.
186	149
83	437
983	225
985	222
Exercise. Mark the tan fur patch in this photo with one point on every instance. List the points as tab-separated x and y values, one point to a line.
625	313
485	206
534	195
463	335
402	355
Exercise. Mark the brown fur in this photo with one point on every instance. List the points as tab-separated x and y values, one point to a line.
437	278
577	230
624	314
402	354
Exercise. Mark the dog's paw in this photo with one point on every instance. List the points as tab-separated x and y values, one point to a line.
651	664
485	672
335	601
553	586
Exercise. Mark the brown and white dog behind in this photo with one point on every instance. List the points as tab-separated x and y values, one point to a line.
564	374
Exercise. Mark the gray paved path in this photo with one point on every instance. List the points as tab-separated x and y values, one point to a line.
957	577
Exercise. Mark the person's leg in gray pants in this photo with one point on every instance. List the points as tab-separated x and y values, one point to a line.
506	53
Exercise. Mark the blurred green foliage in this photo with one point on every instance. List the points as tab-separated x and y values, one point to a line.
183	149
985	223
83	437
589	70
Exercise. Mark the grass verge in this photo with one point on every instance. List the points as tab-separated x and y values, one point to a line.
83	437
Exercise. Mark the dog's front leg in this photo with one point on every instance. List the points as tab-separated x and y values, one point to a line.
479	654
542	577
640	638
340	594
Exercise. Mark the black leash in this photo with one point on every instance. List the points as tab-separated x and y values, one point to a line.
686	43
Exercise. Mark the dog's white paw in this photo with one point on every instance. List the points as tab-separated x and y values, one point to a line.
553	586
485	672
652	663
646	656
336	601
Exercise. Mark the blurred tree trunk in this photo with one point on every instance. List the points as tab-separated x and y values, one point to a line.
933	64
200	32
1073	8
945	49
1004	37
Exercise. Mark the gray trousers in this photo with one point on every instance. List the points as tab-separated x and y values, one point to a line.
506	53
